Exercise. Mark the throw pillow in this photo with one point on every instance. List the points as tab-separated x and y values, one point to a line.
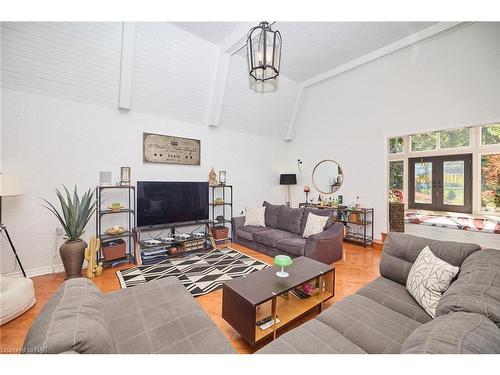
315	224
255	216
429	277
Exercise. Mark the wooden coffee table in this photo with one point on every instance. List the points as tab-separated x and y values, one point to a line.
260	294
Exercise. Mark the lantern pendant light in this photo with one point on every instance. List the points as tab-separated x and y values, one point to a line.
264	52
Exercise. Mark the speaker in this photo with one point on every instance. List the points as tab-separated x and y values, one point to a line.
104	178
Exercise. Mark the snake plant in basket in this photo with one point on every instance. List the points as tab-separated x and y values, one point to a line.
74	215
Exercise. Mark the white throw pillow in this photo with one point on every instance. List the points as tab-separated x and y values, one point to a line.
314	225
255	216
428	279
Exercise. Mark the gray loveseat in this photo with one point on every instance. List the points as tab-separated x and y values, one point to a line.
283	234
158	317
382	317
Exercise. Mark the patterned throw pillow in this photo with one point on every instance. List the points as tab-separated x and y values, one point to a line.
314	225
429	277
255	216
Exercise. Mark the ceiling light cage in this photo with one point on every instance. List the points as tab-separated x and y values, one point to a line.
264	52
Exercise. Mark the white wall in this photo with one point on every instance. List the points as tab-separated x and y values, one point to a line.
49	141
449	81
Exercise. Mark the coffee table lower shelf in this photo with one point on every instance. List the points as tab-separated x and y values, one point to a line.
242	314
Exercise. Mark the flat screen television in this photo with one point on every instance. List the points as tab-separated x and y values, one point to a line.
161	202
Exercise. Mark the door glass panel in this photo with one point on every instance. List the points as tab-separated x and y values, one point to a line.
423	182
453	178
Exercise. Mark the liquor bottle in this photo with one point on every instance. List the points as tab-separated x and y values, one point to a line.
319	199
358	206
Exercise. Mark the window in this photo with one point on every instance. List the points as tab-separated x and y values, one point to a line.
424	142
441	183
490	183
490	135
396	145
455	138
396	174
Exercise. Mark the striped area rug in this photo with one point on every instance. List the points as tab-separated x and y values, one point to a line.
200	273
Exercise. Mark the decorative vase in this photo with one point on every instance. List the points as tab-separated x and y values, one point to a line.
72	254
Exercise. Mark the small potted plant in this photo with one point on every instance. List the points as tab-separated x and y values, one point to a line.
74	215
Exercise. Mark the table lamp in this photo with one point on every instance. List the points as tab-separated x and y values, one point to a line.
288	179
282	261
9	186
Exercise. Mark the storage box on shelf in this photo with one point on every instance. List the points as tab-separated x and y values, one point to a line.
218	209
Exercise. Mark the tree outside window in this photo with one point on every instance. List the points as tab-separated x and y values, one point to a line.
490	182
396	145
490	135
455	138
424	142
396	180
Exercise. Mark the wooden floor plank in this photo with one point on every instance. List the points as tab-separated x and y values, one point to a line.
358	267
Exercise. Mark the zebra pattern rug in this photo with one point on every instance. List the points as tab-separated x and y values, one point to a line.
200	273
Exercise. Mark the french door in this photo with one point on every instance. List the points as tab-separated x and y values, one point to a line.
441	183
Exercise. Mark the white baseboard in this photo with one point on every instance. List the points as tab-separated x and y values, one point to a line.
58	268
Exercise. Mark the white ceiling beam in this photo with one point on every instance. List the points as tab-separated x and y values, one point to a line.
219	89
230	45
427	33
126	65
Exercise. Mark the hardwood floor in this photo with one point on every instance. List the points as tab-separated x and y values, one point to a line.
358	267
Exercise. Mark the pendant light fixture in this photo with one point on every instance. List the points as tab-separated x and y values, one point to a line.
264	52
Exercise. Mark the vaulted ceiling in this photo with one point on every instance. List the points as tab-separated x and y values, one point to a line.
311	48
176	66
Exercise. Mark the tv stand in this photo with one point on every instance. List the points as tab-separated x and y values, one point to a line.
152	250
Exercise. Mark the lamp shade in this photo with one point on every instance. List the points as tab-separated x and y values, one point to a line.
288	179
9	185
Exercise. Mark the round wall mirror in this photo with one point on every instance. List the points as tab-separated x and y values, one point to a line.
327	176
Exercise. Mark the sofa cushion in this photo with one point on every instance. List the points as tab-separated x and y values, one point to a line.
369	325
312	337
248	231
476	292
396	297
428	279
455	333
271	237
272	213
161	316
485	260
401	250
331	213
292	245
73	320
255	216
290	219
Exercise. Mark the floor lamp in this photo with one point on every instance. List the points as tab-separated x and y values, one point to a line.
288	179
9	186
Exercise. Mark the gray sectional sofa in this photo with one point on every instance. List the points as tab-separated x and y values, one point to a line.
382	317
158	317
283	234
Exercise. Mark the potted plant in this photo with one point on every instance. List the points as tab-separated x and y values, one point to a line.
74	215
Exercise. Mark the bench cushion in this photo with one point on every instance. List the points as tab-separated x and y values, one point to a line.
272	214
292	245
290	219
401	250
73	320
396	297
369	325
248	231
455	333
271	237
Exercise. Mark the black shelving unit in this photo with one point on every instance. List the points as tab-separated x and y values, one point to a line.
360	231
217	209
129	227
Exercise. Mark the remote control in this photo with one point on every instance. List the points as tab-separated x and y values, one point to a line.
269	324
263	320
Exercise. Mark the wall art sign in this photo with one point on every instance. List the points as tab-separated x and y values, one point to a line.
159	148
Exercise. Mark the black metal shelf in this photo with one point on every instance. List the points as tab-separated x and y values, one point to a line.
226	219
129	226
364	220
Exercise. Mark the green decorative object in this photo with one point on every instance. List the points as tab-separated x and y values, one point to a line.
282	261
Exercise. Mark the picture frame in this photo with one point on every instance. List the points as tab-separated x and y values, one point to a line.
158	148
222	177
125	176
